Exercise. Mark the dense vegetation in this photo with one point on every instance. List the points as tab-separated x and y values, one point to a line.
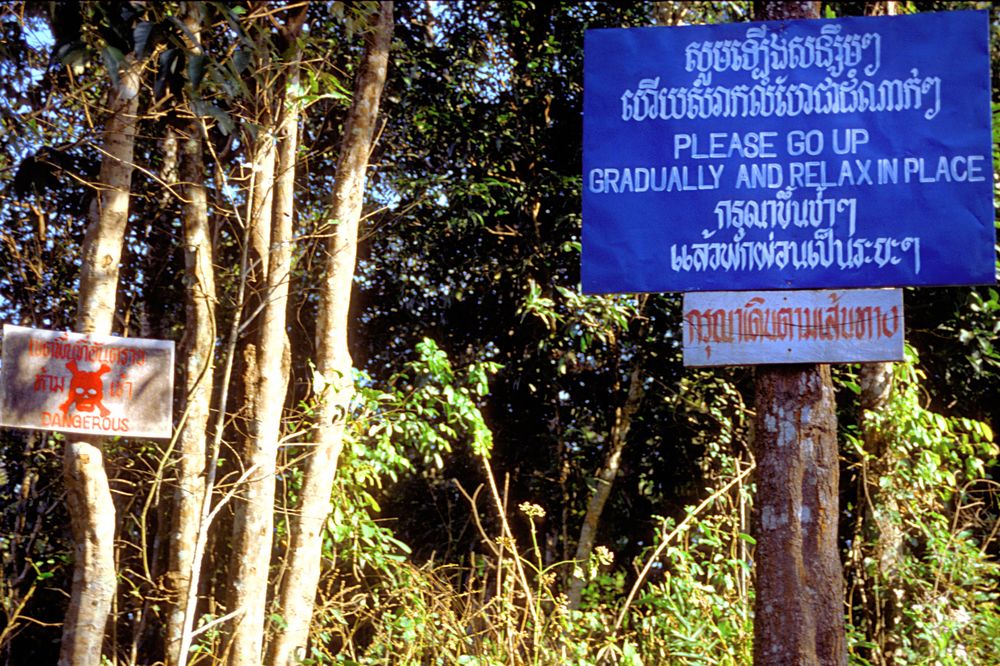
490	399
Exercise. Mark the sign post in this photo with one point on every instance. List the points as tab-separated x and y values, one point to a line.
799	593
790	155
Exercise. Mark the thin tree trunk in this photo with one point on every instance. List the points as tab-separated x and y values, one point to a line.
198	354
298	589
274	194
272	380
92	512
265	394
156	265
153	324
261	211
879	538
605	478
663	13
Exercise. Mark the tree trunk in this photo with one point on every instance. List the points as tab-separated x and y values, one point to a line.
92	512
663	13
800	590
879	539
605	478
799	607
264	398
298	589
274	200
198	349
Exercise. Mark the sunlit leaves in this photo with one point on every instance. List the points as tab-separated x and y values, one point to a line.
935	495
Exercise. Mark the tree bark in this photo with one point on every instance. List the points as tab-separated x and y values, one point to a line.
198	350
274	198
298	588
92	512
264	398
880	538
800	591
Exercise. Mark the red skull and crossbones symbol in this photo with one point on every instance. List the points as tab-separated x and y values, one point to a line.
86	390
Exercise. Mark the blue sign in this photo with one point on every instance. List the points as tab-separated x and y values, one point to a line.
853	152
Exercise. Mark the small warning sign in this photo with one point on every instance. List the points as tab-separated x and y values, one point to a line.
93	384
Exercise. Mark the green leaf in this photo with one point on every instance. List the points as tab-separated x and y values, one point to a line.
196	69
852	386
241	60
141	37
113	59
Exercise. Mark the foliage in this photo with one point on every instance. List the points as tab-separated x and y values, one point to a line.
938	495
481	612
33	550
487	384
411	422
699	611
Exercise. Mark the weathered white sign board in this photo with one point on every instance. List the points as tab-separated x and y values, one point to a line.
92	384
821	326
